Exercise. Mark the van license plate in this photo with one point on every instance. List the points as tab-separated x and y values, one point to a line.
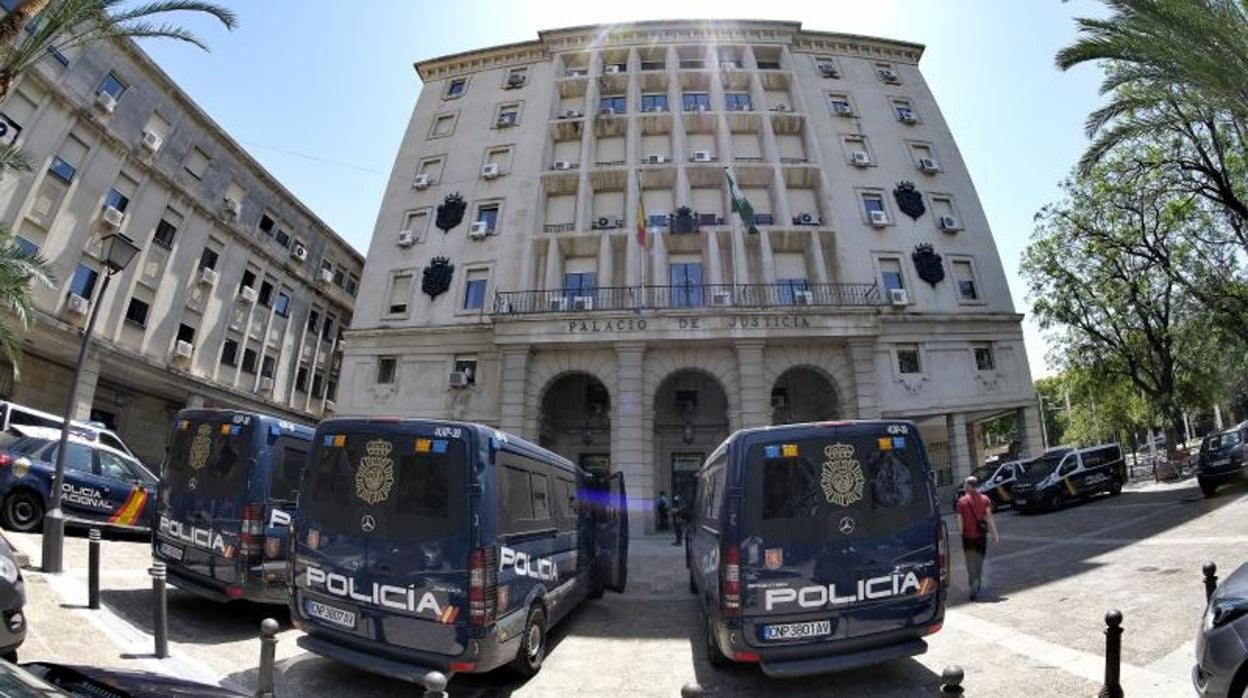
172	552
795	631
333	614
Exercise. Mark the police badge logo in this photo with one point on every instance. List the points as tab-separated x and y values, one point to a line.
436	278
774	558
450	212
375	476
201	446
928	264
21	466
842	480
909	200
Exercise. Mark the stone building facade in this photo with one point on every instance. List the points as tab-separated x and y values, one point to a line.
239	293
506	283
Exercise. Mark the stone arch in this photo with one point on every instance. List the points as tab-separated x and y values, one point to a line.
804	393
545	368
831	362
718	363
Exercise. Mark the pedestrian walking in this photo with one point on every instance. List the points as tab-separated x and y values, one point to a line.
975	522
662	507
678	519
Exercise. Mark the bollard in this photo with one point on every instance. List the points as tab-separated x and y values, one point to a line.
1113	655
268	654
951	680
435	685
160	614
93	569
1211	580
693	688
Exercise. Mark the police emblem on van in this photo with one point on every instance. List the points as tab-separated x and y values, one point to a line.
375	476
21	466
201	446
842	478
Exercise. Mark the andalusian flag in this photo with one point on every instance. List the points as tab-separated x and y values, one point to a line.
741	205
641	214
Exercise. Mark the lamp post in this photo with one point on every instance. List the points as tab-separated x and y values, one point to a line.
119	250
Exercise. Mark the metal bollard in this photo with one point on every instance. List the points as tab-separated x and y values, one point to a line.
268	655
951	680
93	568
435	685
160	614
1113	655
1211	580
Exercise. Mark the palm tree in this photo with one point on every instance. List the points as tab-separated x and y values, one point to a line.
19	271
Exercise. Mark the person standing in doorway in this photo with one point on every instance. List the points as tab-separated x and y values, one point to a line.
661	507
678	519
975	522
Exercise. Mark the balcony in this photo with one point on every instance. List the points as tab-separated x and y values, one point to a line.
558	227
749	296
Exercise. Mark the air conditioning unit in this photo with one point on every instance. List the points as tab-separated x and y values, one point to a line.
573	73
572	114
728	65
879	219
842	109
183	350
905	115
887	75
78	305
780	107
655	159
558	304
898	296
489	171
515	80
928	165
422	181
803	298
562	165
247	294
299	252
611	69
106	102
949	224
702	156
407	238
151	141
860	158
330	405
606	111
208	277
266	384
583	303
721	298
606	223
656	108
828	70
806	218
457	379
479	230
326	277
234	207
113	217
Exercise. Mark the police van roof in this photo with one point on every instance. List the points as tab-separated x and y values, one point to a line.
54	434
218	412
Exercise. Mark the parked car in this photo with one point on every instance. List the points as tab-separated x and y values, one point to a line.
1221	669
1066	474
13	414
996	480
102	486
12	602
47	680
1221	460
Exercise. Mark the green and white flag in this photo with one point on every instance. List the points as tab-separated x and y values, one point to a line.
741	205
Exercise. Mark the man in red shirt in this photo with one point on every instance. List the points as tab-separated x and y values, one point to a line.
974	523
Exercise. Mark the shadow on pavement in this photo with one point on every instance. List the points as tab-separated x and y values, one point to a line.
194	620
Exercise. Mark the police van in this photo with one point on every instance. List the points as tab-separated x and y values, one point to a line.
818	547
427	545
1066	474
227	495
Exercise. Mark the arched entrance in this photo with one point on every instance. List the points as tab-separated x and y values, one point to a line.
690	420
575	421
803	394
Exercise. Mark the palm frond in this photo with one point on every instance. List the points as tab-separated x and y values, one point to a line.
14	159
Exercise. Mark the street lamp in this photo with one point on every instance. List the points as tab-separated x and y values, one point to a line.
119	250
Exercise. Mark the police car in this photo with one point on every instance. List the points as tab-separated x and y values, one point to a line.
1063	475
102	485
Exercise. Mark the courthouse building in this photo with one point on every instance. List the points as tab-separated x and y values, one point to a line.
239	292
507	282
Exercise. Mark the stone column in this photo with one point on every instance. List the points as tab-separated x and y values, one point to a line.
515	369
959	455
862	355
1030	432
628	454
755	397
86	385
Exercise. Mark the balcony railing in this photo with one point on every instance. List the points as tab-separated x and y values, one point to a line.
685	296
559	227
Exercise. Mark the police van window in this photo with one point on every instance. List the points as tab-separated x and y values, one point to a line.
215	453
565	503
286	471
1095	457
1068	465
517	503
541	500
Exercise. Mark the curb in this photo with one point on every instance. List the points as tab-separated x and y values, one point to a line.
21	558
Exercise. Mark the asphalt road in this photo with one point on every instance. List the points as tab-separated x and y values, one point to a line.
1036	630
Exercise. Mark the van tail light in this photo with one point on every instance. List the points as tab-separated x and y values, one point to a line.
251	537
5	460
942	553
730	596
482	591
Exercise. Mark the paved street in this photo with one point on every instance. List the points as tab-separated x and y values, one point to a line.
1038	631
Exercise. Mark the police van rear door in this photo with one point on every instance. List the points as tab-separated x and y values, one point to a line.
383	533
611	537
841	534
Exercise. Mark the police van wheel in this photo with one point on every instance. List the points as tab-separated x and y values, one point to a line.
532	644
714	656
22	511
1054	502
1115	489
596	591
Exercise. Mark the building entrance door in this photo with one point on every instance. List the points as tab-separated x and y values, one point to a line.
685	475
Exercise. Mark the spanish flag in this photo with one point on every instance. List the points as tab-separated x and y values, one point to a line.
642	233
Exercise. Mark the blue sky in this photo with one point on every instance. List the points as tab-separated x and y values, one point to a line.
320	92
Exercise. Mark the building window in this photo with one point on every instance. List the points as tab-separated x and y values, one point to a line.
508	116
331	390
208	259
656	102
886	74
62	170
248	281
840	105
908	359
314	322
456	87
443	125
83	283
984	360
116	200
686	284
737	101
788	289
266	224
872	203
400	291
282	306
113	86
301	379
696	101
249	361
474	290
186	333
488	214
197	163
769	65
136	312
340	274
468	367
266	294
692	64
579	285
618	104
964	276
165	232
268	366
327	330
282	237
353	285
318	385
386	366
904	111
25	245
229	353
890	274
